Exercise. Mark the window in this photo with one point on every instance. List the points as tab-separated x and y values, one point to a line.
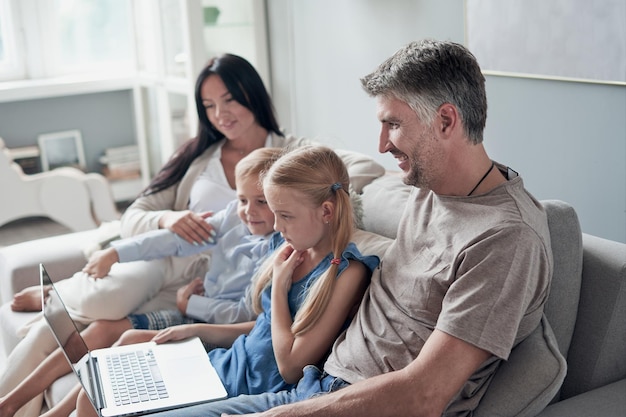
86	35
66	37
173	43
10	65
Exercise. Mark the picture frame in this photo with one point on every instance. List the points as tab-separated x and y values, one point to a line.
564	40
61	149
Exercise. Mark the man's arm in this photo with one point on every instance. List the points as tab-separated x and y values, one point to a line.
423	388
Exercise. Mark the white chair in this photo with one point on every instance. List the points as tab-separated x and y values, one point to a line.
66	195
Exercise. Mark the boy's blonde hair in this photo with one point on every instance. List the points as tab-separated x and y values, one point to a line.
255	163
320	175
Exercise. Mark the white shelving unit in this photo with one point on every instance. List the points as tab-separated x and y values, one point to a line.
172	43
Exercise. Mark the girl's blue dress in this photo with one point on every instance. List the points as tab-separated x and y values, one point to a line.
249	366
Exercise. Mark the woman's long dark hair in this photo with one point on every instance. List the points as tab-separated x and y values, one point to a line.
245	85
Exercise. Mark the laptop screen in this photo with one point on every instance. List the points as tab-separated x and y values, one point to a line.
60	322
66	334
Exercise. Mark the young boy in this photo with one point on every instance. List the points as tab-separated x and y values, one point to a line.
239	245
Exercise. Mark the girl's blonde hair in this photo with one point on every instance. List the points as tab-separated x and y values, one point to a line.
255	163
320	175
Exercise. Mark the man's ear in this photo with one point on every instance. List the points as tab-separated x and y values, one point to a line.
449	118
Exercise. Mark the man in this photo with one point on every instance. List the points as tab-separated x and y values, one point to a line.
465	280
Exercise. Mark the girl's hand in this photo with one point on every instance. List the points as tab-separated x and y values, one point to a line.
100	262
196	286
188	225
184	331
285	262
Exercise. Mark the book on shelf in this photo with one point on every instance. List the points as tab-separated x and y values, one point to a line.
27	157
121	163
122	150
128	153
116	174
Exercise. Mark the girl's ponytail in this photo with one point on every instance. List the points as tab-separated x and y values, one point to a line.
321	291
320	175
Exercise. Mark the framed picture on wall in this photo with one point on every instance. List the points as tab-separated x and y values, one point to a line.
575	40
61	149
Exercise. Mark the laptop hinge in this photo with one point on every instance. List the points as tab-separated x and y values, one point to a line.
95	384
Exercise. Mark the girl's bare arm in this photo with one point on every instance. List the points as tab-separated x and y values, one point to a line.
294	352
222	335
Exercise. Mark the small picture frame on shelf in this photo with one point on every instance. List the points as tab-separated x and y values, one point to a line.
61	149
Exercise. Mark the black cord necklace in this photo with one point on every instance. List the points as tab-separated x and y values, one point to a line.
482	179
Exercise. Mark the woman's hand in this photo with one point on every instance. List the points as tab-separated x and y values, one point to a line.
189	225
196	286
100	262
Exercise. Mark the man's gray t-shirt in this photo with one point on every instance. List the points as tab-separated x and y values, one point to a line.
477	268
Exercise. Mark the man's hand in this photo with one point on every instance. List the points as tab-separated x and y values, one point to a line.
189	225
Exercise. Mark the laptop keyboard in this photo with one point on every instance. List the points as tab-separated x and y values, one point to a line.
135	377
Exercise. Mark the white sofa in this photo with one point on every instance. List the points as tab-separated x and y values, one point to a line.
573	365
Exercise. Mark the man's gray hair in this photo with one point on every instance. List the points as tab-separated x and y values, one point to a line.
426	74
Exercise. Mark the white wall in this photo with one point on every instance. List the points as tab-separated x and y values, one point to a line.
321	48
568	140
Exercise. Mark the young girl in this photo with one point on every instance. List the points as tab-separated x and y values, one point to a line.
242	233
309	291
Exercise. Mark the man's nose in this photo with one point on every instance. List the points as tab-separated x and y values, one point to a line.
383	142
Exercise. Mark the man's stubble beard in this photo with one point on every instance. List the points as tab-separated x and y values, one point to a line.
422	162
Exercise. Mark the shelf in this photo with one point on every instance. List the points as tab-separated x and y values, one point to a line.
63	86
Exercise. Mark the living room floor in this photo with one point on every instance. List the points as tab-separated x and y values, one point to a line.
25	230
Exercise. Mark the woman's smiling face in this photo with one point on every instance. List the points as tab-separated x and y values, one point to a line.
226	114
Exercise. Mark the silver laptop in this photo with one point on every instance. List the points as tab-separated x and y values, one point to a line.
134	379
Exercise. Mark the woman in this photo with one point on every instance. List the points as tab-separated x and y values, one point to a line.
236	116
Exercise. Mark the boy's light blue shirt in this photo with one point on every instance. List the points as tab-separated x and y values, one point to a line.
235	257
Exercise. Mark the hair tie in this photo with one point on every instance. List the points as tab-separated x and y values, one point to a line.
335	261
336	186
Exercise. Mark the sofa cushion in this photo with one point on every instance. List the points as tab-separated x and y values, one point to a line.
384	200
371	243
362	169
598	353
567	253
530	378
62	255
606	401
